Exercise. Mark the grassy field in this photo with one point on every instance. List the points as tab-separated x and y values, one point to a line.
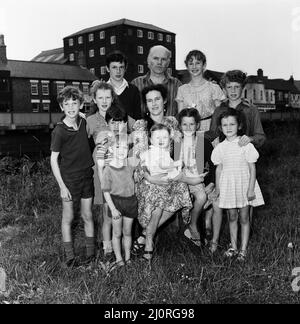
30	244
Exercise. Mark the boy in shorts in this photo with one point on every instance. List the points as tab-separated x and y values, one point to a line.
119	193
74	174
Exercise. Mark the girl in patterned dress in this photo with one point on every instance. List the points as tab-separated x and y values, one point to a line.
236	185
199	93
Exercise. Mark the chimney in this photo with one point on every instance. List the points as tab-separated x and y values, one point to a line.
3	58
260	73
291	79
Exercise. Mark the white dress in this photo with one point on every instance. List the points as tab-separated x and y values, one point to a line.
235	175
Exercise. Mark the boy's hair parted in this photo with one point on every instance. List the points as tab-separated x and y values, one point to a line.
70	92
198	56
233	76
231	112
116	113
158	127
116	56
189	112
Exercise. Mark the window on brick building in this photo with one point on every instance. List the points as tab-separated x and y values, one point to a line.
72	57
45	88
71	42
92	70
139	33
102	50
169	38
140	50
91	37
35	105
140	69
103	70
150	35
102	34
80	40
160	37
113	39
34	87
59	86
91	53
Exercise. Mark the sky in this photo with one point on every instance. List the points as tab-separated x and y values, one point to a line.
234	34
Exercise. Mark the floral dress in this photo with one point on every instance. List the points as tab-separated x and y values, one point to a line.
171	197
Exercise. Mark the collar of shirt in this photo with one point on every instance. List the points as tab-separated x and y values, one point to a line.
121	88
148	80
244	103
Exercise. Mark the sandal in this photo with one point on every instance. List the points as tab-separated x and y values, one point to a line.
188	234
213	247
138	247
231	252
116	265
242	255
147	256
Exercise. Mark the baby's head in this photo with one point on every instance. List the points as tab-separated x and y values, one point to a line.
160	136
189	121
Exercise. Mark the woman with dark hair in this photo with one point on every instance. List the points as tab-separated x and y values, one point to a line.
158	199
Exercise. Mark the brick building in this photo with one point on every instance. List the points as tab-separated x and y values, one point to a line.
28	90
89	47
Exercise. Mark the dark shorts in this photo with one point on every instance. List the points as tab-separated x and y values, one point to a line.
127	206
80	184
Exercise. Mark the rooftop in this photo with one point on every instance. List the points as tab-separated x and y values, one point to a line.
123	21
55	55
48	71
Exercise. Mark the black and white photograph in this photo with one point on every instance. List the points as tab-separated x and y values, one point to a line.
150	154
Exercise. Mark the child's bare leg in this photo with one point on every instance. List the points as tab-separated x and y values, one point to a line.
66	222
233	226
208	218
87	216
245	227
165	216
106	230
200	200
127	236
217	222
152	228
116	239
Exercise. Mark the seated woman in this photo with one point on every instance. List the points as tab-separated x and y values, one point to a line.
158	199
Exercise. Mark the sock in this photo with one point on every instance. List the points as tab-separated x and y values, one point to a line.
90	246
107	247
69	250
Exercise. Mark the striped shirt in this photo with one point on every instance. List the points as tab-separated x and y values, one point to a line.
172	84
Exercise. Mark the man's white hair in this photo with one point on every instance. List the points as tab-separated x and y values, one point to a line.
159	47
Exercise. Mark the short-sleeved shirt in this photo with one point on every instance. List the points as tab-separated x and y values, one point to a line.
96	124
201	97
172	84
118	181
73	146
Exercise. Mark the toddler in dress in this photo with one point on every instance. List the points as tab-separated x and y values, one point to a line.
236	185
157	159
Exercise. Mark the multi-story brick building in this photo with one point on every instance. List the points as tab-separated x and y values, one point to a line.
28	90
90	46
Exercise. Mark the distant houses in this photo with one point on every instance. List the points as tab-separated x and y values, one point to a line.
28	91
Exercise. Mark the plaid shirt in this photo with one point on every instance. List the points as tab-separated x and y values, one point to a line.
172	84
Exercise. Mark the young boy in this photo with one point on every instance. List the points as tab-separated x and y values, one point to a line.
233	83
116	120
74	174
119	193
128	94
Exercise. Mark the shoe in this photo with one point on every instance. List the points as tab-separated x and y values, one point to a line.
188	234
72	263
137	247
230	253
213	246
242	255
88	260
116	265
108	257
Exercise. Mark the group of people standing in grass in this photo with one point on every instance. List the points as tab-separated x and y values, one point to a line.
159	148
